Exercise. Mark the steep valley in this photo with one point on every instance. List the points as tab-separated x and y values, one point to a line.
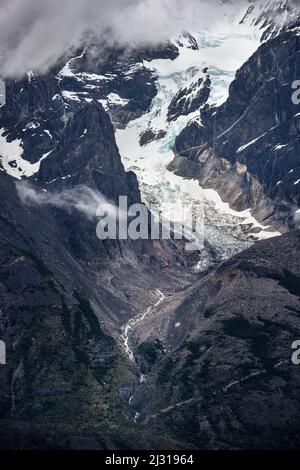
141	344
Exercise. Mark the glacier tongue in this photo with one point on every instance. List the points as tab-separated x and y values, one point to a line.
225	229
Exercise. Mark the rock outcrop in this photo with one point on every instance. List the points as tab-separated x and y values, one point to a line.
248	148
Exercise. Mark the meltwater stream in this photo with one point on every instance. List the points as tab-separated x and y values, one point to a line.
128	329
127	332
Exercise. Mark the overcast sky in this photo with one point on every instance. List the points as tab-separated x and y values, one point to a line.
34	34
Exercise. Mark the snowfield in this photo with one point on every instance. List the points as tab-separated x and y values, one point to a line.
11	160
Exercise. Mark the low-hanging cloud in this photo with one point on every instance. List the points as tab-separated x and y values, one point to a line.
34	34
80	198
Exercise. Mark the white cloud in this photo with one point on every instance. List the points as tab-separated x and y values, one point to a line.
80	198
34	34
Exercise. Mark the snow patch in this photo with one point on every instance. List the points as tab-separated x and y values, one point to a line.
280	146
48	133
12	161
93	77
71	95
243	147
115	99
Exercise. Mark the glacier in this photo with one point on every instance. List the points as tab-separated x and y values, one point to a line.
225	229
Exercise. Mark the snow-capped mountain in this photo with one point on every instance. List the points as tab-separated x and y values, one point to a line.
248	146
122	343
151	95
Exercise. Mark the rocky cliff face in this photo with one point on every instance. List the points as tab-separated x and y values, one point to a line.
116	76
116	343
248	147
63	297
230	383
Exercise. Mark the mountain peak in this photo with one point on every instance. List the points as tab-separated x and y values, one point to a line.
88	154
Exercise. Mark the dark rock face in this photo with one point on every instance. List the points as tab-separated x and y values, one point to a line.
230	382
226	382
149	135
32	115
248	148
58	355
287	11
64	296
188	40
